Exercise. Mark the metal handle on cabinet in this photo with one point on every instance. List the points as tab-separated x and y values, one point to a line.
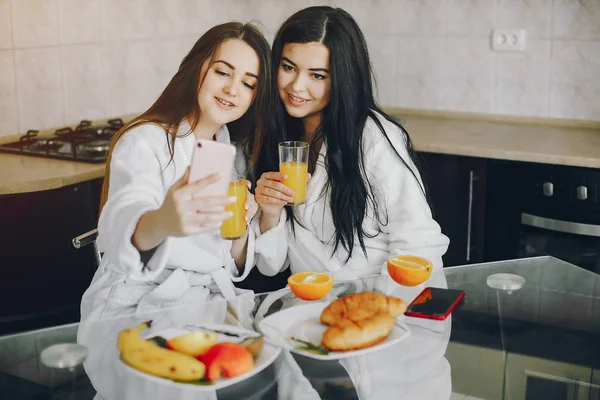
557	225
85	239
470	214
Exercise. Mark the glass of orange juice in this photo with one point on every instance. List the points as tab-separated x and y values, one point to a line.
235	227
293	161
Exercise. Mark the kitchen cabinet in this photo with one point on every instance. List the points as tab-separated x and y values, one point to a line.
534	378
43	275
595	389
456	189
476	371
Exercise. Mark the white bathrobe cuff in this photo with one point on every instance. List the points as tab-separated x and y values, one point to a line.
233	270
125	256
271	246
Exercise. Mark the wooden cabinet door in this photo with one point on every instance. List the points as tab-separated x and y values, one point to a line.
456	188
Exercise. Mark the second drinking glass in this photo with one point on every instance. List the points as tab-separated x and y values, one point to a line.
293	161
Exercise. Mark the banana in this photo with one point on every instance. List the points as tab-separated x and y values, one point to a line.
148	357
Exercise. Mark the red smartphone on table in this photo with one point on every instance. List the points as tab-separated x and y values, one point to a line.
209	157
435	303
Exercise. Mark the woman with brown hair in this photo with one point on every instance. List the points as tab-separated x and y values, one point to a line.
159	234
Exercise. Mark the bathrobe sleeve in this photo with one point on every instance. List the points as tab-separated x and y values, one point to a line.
271	247
410	226
136	187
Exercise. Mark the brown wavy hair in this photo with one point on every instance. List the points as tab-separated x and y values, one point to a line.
179	99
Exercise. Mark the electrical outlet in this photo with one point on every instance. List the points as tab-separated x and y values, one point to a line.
508	39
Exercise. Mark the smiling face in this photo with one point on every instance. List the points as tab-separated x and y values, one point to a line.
230	83
303	81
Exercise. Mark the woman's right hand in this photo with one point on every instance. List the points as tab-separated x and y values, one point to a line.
271	195
185	211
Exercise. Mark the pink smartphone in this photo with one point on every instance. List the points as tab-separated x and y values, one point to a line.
210	157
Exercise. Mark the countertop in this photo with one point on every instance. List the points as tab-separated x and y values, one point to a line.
549	141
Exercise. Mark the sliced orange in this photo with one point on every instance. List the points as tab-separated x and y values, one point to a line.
409	270
310	285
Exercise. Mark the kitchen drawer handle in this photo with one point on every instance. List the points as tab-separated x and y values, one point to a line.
470	214
85	239
560	226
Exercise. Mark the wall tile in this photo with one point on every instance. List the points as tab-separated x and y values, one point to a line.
6	39
123	20
272	13
533	15
164	57
163	18
35	23
574	83
475	18
420	17
382	50
469	75
523	79
80	21
200	15
419	73
576	19
83	74
9	121
127	74
375	16
39	88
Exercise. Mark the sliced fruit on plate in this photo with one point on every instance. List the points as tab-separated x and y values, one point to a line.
254	345
149	357
409	270
310	285
227	360
194	343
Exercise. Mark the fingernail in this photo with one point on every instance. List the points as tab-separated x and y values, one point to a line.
246	206
231	199
229	214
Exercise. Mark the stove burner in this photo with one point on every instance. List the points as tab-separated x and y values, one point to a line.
87	142
95	147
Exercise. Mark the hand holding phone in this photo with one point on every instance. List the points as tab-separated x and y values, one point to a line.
211	157
435	303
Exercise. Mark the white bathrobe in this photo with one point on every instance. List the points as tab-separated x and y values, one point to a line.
182	270
410	228
179	277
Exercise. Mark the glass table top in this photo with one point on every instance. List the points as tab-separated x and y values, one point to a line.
539	340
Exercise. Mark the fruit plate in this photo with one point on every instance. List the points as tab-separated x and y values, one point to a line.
302	322
268	354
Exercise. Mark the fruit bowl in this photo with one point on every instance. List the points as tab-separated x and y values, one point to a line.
266	357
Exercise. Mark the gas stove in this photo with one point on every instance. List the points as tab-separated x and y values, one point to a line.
86	143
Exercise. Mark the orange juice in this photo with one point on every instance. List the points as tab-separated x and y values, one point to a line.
296	179
235	227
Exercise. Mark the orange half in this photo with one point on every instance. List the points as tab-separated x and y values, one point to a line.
310	285
409	270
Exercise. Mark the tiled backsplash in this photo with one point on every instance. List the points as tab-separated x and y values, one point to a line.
64	60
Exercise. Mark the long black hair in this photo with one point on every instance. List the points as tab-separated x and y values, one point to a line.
351	104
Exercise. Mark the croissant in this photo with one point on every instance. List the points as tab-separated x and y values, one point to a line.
359	306
353	335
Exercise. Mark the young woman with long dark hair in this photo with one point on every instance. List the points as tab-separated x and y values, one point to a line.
365	202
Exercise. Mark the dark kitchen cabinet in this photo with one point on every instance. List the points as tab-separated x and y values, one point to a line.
456	188
44	276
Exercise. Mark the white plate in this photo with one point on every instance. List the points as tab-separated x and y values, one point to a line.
265	358
302	322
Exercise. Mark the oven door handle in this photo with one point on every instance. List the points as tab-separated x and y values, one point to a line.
557	225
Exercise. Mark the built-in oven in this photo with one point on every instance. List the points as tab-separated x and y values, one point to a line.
539	209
